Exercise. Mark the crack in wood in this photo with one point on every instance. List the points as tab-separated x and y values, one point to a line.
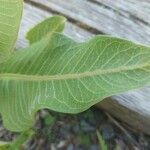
132	16
70	19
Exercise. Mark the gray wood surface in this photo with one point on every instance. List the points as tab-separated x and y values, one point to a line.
127	19
105	20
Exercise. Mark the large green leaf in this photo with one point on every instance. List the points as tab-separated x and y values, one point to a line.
65	76
10	16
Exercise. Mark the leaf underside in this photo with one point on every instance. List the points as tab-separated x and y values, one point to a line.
57	73
10	17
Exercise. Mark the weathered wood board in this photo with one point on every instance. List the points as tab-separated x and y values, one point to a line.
128	19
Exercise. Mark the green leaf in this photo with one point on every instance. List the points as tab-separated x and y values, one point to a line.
10	17
65	76
49	120
4	145
46	28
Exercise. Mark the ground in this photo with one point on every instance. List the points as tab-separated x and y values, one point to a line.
78	132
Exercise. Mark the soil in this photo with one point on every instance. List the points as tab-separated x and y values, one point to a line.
55	131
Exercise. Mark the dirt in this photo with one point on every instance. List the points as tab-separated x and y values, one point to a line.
56	131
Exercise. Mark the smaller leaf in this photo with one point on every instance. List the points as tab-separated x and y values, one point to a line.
49	120
47	27
4	145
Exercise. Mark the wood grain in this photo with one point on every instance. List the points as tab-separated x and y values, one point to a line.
103	19
86	17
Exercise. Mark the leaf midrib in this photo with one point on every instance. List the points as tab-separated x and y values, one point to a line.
69	76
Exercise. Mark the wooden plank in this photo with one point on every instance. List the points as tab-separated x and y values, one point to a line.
131	107
133	9
136	102
135	116
101	18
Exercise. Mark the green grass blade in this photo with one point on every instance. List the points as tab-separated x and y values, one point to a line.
102	143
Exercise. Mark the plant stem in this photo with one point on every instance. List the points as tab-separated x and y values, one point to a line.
21	139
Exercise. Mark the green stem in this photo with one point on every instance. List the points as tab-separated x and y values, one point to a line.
23	137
